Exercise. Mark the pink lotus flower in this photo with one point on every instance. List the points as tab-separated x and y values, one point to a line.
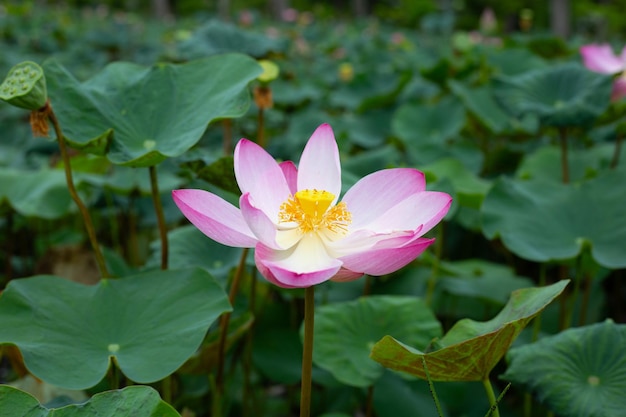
302	236
601	58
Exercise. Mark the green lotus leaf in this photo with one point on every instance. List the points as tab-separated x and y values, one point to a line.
217	37
189	247
566	95
480	101
470	189
477	278
139	116
126	180
135	401
513	61
542	220
579	372
41	194
418	124
583	163
471	349
149	323
360	324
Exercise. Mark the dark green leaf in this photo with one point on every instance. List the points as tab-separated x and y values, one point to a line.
578	373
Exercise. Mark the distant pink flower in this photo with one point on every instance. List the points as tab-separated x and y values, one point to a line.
601	58
301	234
289	15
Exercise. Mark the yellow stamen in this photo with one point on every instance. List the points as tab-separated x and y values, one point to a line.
310	209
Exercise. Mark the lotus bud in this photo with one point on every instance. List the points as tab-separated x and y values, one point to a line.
270	71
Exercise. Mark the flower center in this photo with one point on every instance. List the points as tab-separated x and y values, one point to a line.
310	210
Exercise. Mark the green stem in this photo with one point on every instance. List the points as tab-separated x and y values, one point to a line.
10	247
224	321
585	302
528	400
166	389
492	397
434	273
158	209
617	151
431	387
564	162
504	391
261	128
249	399
81	206
369	409
307	351
227	136
567	321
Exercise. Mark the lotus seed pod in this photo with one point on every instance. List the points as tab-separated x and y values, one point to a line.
270	71
25	86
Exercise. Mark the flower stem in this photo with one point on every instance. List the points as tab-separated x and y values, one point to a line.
227	136
617	151
434	273
370	400
564	162
261	128
158	209
307	352
431	387
492	397
81	206
224	321
569	313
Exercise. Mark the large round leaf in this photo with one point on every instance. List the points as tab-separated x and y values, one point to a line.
481	102
471	349
150	323
346	332
419	124
564	95
188	247
141	115
217	37
135	401
580	372
583	163
41	194
542	220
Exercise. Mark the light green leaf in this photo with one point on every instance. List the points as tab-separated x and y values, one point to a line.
471	349
565	95
544	220
580	372
139	116
150	323
135	401
360	324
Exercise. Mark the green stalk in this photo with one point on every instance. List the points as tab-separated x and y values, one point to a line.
431	387
564	162
261	128
307	352
434	273
585	302
158	209
224	321
567	321
370	401
492	397
617	150
81	206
